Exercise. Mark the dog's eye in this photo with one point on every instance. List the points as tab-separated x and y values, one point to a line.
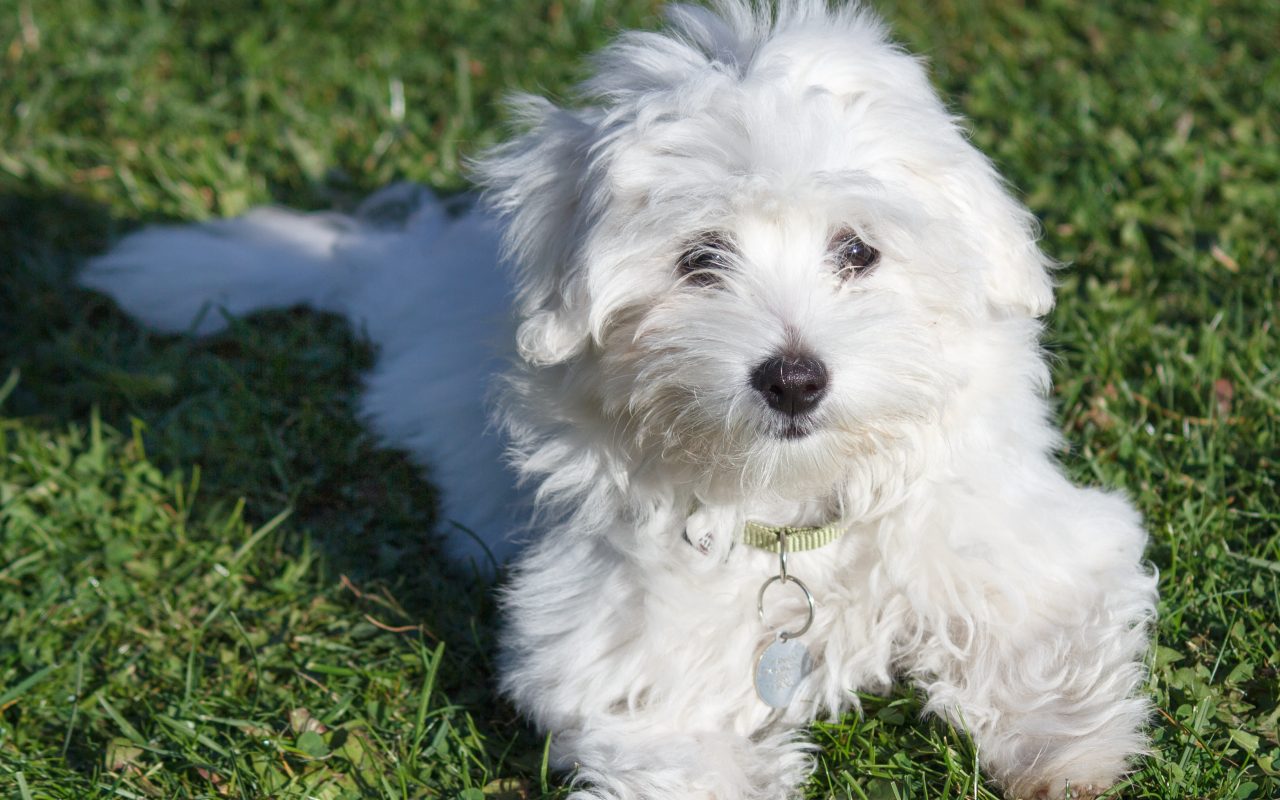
705	259
854	256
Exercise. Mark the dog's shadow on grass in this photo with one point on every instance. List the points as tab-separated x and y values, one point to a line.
266	411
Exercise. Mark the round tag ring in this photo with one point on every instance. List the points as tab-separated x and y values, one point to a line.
808	598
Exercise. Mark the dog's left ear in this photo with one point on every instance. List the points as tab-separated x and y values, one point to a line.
537	184
993	234
1004	235
1000	236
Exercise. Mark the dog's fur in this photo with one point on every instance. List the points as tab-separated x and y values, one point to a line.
971	567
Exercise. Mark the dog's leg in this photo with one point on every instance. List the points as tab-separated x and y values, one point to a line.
642	676
639	758
1041	659
1054	718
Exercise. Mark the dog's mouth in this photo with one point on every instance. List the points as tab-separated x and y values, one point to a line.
794	428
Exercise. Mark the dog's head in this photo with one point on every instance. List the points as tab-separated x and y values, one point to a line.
768	239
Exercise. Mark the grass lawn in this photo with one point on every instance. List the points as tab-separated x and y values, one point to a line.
214	584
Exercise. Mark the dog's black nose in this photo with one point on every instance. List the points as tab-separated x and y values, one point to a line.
791	384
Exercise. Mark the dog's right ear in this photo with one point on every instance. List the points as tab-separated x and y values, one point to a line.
537	184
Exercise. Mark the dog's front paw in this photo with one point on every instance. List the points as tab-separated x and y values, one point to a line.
1059	789
1082	769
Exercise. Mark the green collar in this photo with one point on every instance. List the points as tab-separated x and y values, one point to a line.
765	537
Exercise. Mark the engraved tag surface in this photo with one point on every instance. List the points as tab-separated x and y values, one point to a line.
779	671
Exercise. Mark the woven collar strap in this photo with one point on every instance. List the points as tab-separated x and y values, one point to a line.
765	537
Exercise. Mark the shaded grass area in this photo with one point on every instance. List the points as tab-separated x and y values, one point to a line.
213	583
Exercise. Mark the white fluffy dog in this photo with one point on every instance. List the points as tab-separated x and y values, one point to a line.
767	297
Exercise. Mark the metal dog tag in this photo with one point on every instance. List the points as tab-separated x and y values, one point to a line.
781	668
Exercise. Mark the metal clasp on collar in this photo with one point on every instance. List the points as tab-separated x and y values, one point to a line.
784	577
